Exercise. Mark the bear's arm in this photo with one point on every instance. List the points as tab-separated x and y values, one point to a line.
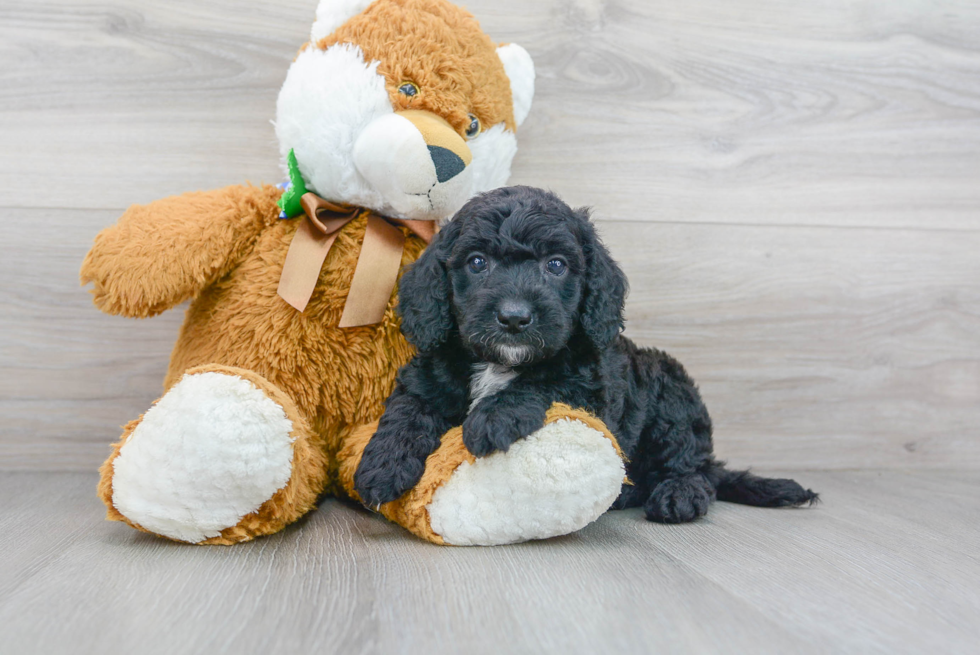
161	254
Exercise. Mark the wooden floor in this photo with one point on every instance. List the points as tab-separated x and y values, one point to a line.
888	563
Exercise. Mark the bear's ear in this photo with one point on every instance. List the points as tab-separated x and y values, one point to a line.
520	70
331	14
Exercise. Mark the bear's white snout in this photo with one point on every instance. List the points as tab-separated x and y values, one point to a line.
417	161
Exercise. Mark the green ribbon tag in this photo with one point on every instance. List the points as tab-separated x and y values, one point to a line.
289	202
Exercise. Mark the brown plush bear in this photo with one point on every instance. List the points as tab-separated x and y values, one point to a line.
391	117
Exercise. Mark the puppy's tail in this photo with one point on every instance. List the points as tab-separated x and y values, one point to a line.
747	489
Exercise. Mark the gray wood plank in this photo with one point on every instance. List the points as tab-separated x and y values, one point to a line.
817	347
858	113
866	573
814	347
878	567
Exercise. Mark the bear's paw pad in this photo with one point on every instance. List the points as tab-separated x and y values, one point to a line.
556	481
213	449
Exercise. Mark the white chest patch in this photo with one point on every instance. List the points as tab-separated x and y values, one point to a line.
488	379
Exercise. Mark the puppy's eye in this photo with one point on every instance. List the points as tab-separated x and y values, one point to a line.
556	267
477	263
408	89
473	128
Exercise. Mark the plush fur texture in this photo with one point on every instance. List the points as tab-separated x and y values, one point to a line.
439	47
287	504
492	152
543	490
520	70
232	452
335	106
520	280
224	250
556	481
328	99
331	14
392	155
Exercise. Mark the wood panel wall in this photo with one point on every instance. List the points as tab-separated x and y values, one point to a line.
793	189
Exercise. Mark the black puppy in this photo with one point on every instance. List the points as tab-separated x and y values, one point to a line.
516	305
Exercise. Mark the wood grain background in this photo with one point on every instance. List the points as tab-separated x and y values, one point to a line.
793	189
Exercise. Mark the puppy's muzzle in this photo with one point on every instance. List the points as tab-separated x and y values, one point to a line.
514	317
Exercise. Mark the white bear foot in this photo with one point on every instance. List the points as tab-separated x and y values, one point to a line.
556	481
213	449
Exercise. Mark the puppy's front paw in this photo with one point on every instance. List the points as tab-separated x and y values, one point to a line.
679	500
387	470
490	428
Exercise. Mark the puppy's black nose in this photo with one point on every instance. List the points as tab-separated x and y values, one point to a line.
514	316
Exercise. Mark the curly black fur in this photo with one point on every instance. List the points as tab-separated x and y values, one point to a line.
520	281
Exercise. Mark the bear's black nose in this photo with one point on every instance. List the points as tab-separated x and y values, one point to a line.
448	163
514	316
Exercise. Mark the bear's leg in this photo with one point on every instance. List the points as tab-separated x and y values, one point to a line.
555	481
224	456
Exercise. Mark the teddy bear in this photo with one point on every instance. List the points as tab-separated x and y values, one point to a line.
392	116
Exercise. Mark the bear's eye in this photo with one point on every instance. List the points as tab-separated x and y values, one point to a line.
473	128
556	266
408	89
477	263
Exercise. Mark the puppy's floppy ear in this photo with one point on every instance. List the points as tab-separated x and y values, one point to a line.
424	295
601	313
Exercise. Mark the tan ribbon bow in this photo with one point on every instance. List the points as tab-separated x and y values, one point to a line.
377	266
